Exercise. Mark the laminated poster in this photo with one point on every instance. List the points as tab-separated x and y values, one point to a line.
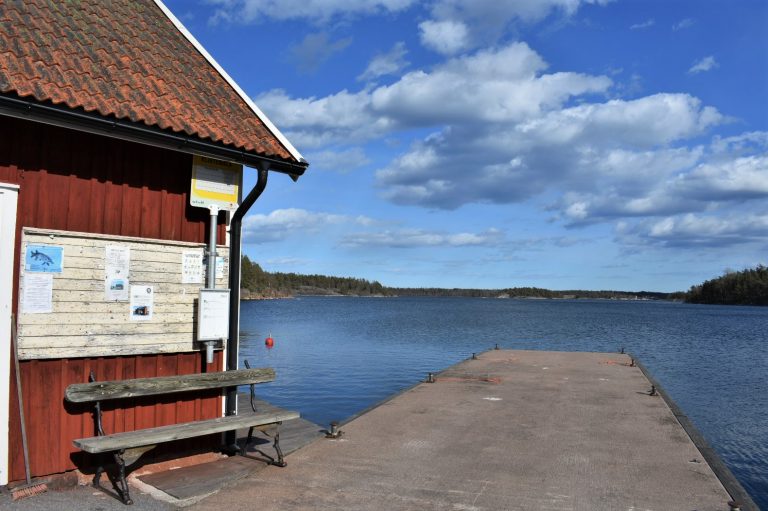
37	296
44	259
213	315
117	262
220	267
191	267
142	302
221	261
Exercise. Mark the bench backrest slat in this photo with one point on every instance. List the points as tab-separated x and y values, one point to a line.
118	389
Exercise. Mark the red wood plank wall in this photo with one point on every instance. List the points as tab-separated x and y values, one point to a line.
82	182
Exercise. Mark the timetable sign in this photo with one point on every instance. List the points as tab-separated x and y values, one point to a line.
215	183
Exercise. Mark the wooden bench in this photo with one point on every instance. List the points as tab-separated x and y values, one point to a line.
127	447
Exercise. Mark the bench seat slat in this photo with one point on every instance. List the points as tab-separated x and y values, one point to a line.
119	389
162	434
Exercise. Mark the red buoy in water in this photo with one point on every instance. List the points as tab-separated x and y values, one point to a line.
269	341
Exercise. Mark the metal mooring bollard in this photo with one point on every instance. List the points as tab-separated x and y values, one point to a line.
430	378
474	356
734	506
622	350
653	391
497	346
334	431
632	363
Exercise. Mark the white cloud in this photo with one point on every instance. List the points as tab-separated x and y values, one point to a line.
610	183
315	49
493	11
388	63
339	161
340	118
739	178
412	238
643	25
683	24
689	230
705	64
567	149
493	85
457	25
648	121
745	143
446	37
490	16
670	182
503	130
282	223
320	11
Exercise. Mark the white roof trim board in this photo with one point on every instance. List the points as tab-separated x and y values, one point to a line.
271	127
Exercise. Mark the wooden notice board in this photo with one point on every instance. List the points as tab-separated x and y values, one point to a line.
91	313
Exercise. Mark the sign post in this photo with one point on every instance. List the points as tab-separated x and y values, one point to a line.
216	186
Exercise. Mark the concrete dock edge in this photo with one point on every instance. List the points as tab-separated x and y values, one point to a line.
721	470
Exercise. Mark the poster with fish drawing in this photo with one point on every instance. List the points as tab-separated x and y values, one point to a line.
44	259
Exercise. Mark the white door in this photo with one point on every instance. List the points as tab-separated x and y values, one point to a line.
8	197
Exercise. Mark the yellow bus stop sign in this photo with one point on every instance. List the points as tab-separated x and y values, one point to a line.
215	183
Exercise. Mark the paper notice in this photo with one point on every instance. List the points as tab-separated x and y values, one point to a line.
37	297
213	314
117	262
221	263
44	258
191	267
220	268
142	302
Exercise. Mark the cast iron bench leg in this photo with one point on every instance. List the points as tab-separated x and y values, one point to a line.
280	461
122	484
119	482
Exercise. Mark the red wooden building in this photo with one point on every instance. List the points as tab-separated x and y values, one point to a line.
102	107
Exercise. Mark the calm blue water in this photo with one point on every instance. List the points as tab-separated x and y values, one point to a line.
335	357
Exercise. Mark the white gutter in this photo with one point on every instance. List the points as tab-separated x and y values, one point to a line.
256	110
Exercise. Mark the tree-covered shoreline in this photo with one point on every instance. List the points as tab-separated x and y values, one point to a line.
746	287
260	284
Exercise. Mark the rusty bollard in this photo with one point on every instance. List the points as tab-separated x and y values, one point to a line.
334	431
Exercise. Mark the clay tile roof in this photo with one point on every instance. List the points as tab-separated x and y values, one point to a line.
127	59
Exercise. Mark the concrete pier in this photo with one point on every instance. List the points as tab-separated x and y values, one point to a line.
511	430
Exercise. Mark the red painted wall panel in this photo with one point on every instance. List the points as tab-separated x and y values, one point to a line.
81	182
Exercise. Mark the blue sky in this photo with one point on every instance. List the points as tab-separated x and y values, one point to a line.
565	144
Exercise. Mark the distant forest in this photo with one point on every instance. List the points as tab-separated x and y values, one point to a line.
535	293
746	287
259	284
